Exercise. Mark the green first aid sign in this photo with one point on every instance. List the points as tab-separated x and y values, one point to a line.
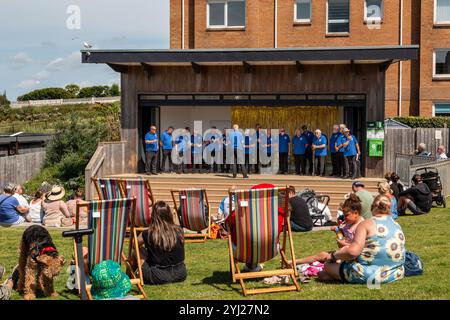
375	139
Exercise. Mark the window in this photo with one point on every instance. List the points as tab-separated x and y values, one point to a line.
302	11
442	11
442	109
338	14
226	13
441	63
373	10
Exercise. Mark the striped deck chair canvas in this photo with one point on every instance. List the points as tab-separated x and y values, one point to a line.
108	188
257	241
141	190
109	220
194	212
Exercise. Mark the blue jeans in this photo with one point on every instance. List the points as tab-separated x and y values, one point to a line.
296	228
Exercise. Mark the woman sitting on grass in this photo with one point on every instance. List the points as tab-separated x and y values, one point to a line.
384	189
377	253
352	215
162	248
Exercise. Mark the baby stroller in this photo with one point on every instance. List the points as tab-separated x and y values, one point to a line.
317	204
430	176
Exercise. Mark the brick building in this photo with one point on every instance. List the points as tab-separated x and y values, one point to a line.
425	82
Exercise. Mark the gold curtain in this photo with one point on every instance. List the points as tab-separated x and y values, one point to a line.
289	118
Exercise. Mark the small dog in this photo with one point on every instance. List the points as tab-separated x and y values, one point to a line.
39	263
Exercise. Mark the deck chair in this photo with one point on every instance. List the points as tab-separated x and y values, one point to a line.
109	219
256	223
195	213
108	188
141	190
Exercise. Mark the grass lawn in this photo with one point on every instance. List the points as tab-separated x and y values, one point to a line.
208	274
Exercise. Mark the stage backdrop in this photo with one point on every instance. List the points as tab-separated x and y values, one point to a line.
289	118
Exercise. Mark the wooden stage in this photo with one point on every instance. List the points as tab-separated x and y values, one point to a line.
217	185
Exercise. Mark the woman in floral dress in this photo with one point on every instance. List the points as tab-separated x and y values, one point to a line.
377	253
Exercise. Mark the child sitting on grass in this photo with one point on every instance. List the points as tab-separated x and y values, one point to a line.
352	216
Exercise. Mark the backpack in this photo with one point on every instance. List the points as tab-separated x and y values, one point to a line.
413	264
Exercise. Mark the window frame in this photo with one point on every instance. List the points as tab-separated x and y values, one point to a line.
437	103
435	75
369	20
302	21
328	33
225	26
438	23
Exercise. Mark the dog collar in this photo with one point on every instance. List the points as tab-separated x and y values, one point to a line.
38	251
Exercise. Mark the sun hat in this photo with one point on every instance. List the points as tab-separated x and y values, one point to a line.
109	281
57	193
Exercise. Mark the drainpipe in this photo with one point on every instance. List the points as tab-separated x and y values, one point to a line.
182	24
275	27
400	66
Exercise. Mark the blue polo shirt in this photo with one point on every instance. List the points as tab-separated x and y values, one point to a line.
284	143
8	212
319	141
334	138
309	138
339	141
214	142
180	142
269	143
196	139
154	145
166	140
237	139
350	150
299	144
249	142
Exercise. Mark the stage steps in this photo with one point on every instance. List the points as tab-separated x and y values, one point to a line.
217	185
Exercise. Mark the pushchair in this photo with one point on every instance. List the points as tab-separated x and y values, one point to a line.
317	204
430	176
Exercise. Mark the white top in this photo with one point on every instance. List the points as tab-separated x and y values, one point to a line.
36	212
22	201
441	156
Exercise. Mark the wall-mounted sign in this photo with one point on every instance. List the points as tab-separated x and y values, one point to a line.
375	138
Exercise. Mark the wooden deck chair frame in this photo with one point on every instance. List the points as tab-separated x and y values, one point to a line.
193	237
286	270
99	192
133	279
134	229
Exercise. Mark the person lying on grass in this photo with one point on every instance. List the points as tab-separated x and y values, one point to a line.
377	253
352	216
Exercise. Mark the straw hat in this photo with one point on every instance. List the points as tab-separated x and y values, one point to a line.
57	193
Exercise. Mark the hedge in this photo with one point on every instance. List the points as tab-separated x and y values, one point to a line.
423	122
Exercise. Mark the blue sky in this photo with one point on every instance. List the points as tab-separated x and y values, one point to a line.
39	50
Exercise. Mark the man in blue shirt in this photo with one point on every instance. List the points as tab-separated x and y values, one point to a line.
319	148
151	149
166	144
299	145
213	148
258	156
284	142
340	152
266	142
334	154
308	153
11	212
236	140
197	151
181	143
250	149
351	152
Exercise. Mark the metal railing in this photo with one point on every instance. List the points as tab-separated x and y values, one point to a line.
58	102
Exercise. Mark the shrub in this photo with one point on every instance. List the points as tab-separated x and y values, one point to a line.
423	122
45	94
95	91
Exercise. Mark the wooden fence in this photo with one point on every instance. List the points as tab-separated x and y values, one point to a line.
20	168
405	141
109	158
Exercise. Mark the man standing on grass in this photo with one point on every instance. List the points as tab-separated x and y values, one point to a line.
151	148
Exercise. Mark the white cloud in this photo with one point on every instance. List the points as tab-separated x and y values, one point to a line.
20	60
59	64
41	75
27	84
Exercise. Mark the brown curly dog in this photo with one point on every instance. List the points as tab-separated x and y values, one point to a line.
39	263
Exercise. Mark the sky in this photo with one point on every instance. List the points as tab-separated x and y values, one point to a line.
40	41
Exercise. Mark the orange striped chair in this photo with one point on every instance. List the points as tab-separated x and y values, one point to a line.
109	219
141	190
257	230
195	213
